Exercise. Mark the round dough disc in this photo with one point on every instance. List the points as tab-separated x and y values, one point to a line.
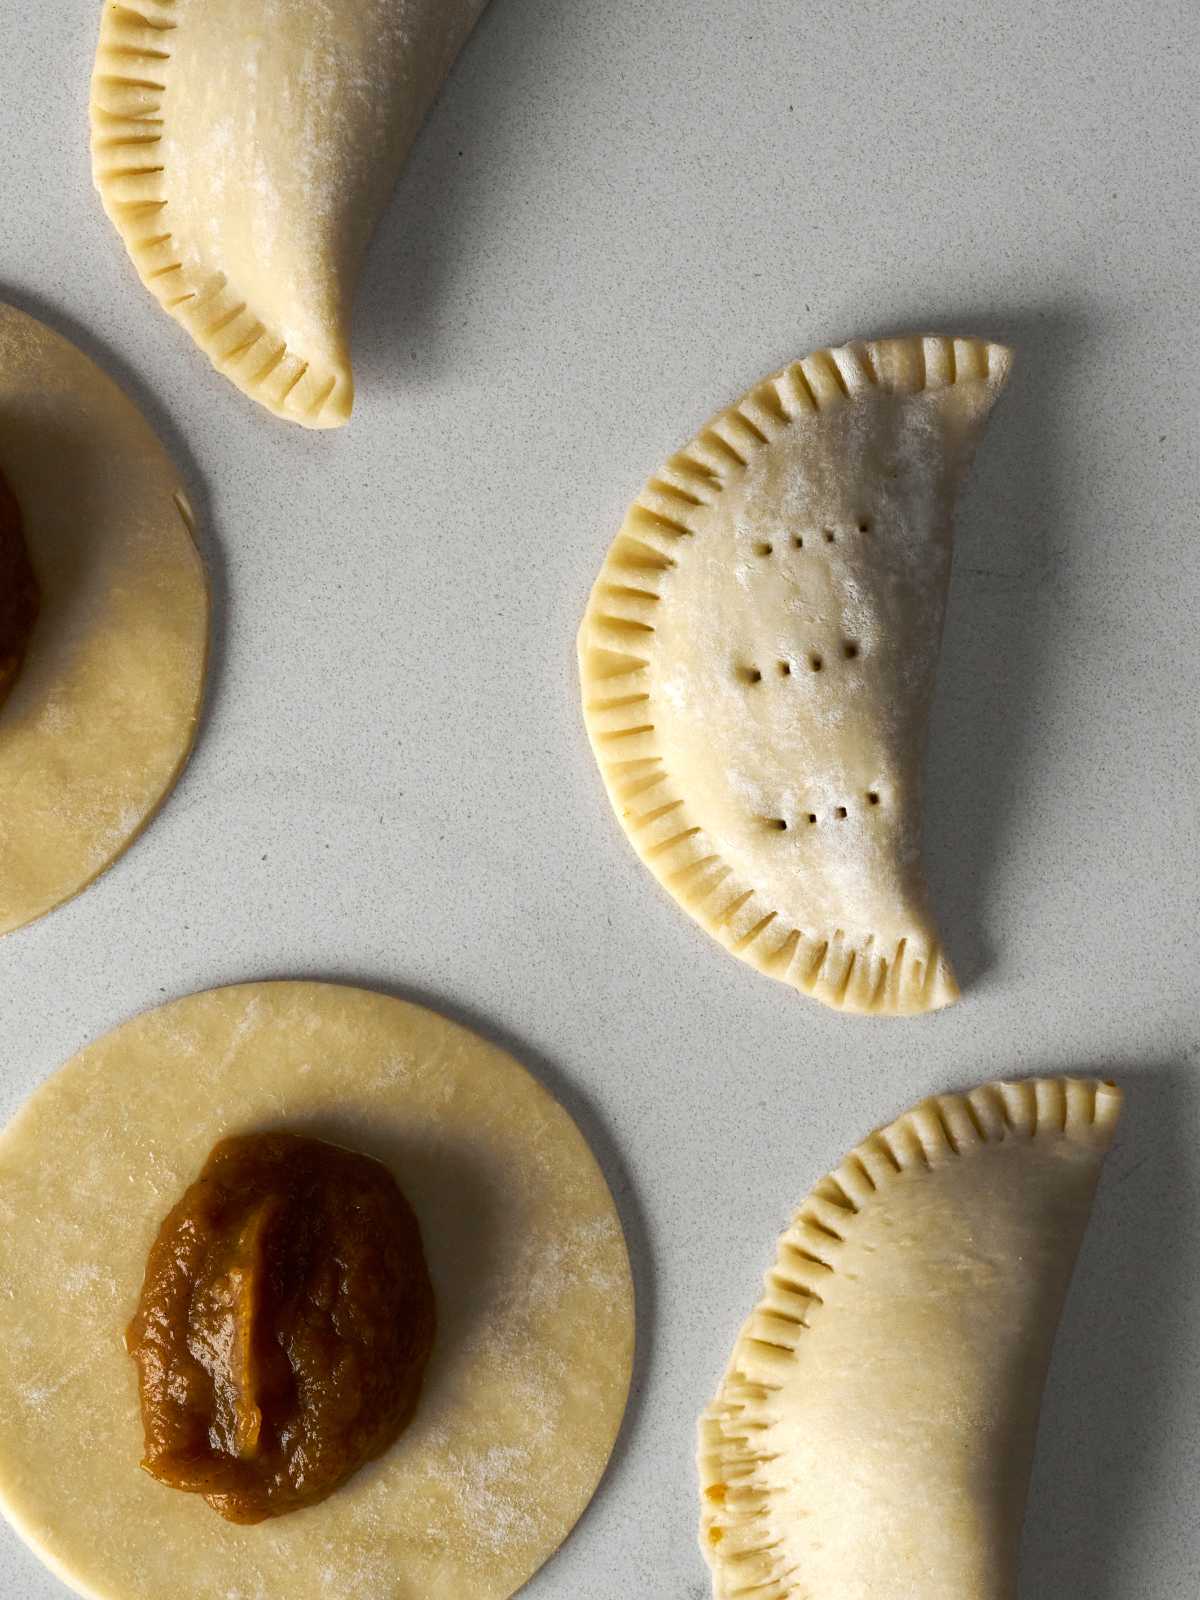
104	712
530	1371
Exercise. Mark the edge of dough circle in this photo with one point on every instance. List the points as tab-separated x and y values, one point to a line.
104	713
530	1373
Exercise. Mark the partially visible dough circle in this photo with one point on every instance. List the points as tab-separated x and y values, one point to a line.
104	713
530	1371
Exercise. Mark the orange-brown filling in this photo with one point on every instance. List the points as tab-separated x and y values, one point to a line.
19	596
284	1325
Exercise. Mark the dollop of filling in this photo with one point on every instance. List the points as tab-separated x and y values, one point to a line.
20	599
284	1325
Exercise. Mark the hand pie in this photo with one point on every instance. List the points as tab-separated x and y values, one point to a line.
758	659
102	716
873	1436
245	150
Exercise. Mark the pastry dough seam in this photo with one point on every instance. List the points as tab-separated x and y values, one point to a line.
129	104
736	1495
856	974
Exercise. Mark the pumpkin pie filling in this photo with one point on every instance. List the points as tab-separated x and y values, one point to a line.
284	1325
19	595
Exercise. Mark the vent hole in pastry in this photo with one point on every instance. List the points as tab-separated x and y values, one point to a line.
798	541
850	650
872	798
841	813
749	674
763	548
812	817
829	535
785	669
779	824
864	526
815	663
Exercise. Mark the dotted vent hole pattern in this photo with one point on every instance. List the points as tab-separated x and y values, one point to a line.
616	644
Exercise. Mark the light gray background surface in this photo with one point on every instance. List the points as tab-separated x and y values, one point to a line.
618	216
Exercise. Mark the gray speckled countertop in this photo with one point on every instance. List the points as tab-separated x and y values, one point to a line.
617	217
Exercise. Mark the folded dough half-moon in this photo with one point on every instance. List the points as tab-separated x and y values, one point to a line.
873	1436
244	150
758	658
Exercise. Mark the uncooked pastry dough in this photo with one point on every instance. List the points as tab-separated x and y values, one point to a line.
104	713
873	1436
758	658
245	149
529	1376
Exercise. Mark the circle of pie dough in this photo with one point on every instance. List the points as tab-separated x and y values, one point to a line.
104	712
531	1365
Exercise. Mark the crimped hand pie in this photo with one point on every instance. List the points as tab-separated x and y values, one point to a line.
758	659
244	150
873	1436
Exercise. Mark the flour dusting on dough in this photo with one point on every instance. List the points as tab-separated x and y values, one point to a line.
271	192
758	699
530	1371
